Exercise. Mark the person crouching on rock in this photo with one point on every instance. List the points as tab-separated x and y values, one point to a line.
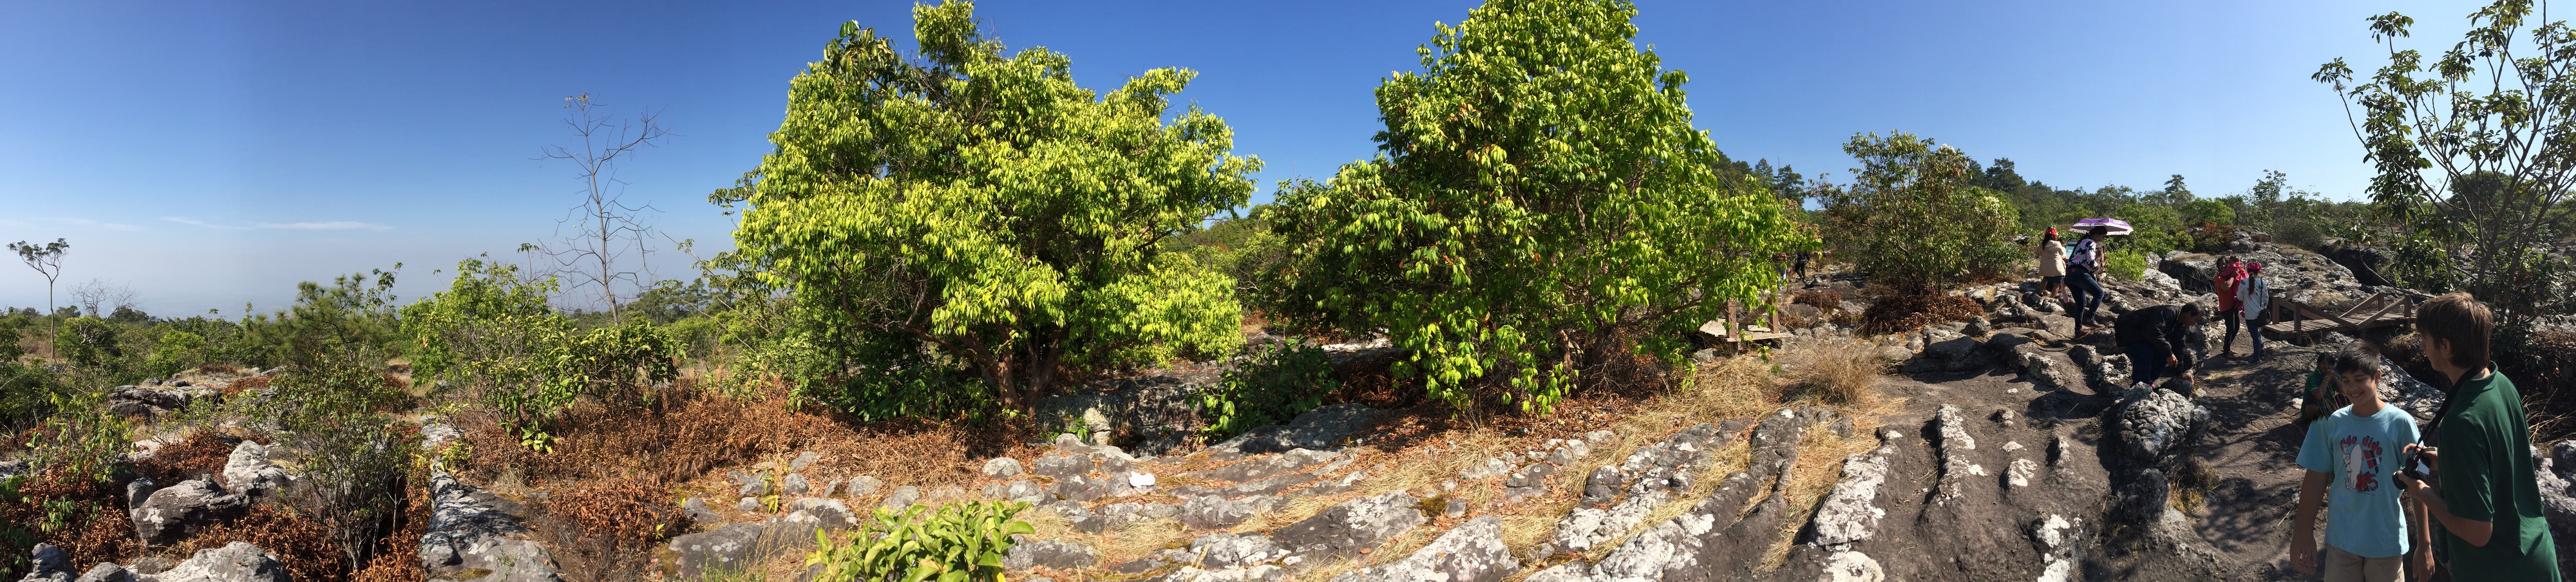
2155	339
2352	457
2318	396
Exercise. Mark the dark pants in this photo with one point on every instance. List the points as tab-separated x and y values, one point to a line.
2146	362
2231	315
2253	330
2080	282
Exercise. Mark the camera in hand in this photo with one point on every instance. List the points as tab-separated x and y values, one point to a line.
2414	466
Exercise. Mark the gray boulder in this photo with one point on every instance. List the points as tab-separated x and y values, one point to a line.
1345	529
235	562
1221	550
470	531
173	513
1002	467
1319	429
794	484
1061	555
49	563
697	510
902	497
248	472
861	485
2151	425
1062	466
106	572
1213	512
1079	488
1472	552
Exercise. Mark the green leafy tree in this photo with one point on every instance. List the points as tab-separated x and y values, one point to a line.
2475	151
1541	208
984	207
1913	220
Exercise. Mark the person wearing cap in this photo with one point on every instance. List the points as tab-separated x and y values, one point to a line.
2051	255
2253	296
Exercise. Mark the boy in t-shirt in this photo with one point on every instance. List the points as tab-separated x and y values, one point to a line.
2352	456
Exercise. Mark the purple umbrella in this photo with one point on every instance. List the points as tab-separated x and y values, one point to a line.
2118	227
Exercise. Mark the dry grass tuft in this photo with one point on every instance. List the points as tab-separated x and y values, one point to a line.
1842	372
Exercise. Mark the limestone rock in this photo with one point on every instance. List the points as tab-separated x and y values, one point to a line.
1318	429
1345	529
1222	550
1060	555
235	562
106	572
2151	425
1213	512
1062	466
1472	552
248	472
173	513
794	484
902	497
861	485
468	531
1002	467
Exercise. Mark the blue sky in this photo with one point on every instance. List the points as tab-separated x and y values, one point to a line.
210	154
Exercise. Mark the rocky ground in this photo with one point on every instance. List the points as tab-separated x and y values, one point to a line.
2002	450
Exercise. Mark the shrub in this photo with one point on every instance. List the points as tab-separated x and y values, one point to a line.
1271	385
493	333
355	459
1826	299
1911	219
2126	264
90	342
985	208
2213	238
961	542
596	531
1542	210
174	351
303	545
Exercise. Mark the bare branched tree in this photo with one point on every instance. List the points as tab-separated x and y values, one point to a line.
100	297
596	237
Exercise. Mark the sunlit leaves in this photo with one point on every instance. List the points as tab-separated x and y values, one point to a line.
1542	206
986	208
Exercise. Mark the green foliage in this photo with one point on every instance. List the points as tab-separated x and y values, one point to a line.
1271	385
492	333
1913	220
2206	211
175	350
90	342
353	458
983	207
2126	264
1541	207
80	437
2158	228
353	319
2471	154
961	542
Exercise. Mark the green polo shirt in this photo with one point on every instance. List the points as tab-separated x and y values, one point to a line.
2487	475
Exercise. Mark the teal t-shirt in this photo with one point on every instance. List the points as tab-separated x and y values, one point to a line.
2360	453
2487	474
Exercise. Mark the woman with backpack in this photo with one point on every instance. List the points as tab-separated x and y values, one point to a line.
2253	295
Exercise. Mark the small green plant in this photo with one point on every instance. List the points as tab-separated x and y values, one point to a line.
961	542
1273	384
2127	264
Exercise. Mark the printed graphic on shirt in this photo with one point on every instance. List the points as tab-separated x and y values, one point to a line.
2360	463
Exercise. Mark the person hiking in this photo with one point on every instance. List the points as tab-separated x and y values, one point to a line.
2155	339
2051	255
2482	483
2318	394
2350	457
2223	283
2083	261
2253	296
1803	257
